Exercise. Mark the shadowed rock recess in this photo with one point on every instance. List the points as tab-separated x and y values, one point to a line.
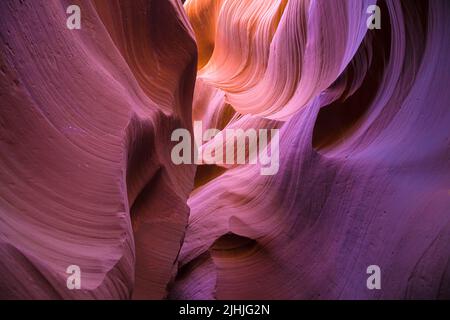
87	177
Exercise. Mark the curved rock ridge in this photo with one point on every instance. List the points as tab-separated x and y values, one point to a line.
86	119
364	152
274	57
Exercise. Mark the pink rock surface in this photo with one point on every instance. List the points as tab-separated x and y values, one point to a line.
84	130
87	177
364	163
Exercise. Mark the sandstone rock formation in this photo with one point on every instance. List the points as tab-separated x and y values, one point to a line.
85	137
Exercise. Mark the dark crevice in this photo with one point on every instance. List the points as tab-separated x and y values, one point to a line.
231	245
337	120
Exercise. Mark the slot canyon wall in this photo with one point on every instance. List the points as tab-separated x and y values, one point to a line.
87	177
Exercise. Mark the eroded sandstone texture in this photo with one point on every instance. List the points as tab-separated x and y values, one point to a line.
87	177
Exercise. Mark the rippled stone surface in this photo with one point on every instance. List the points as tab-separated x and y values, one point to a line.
85	137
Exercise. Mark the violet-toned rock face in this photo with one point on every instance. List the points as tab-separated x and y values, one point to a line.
224	149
